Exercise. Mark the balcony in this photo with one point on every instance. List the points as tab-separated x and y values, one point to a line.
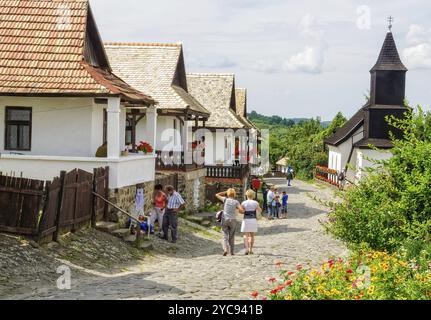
228	172
176	161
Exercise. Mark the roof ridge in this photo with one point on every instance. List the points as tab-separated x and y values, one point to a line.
210	74
143	44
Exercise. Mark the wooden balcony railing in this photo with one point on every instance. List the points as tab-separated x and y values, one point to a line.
175	161
229	172
327	175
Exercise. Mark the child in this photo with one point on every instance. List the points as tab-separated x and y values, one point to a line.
277	205
284	200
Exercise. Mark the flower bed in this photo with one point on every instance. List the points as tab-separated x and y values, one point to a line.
368	276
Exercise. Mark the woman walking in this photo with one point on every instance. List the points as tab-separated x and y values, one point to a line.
229	222
249	225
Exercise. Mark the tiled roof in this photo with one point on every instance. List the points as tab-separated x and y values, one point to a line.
241	106
42	45
215	92
389	59
241	101
152	68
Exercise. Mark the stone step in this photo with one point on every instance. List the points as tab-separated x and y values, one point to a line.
108	227
146	246
121	233
206	223
130	238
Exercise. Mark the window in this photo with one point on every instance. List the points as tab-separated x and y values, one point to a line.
18	128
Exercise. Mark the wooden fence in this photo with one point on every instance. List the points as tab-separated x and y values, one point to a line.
327	175
44	210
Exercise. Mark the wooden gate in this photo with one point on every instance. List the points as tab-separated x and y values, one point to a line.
76	201
48	222
20	205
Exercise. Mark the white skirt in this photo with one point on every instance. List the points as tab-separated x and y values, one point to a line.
249	225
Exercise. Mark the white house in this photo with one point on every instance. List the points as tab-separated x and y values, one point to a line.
60	101
226	139
159	70
353	147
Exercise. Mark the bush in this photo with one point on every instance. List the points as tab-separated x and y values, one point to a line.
392	206
364	276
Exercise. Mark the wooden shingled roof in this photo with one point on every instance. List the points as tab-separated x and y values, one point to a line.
158	69
216	91
53	48
241	106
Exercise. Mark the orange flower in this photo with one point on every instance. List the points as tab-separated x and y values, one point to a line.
279	264
272	280
288	283
299	267
255	294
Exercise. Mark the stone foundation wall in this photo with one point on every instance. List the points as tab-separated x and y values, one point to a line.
191	185
215	186
125	199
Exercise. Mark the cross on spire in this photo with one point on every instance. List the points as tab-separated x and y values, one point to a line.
391	21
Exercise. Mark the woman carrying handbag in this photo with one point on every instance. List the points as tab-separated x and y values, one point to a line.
228	219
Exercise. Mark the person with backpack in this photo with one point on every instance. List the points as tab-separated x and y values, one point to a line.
290	176
228	219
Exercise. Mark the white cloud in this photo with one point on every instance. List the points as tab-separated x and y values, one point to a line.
418	55
308	27
308	61
418	34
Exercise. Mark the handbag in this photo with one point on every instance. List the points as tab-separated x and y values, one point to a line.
219	216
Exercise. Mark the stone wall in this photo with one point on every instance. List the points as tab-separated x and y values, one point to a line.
191	185
220	185
125	199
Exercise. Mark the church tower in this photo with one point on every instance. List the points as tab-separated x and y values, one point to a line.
388	87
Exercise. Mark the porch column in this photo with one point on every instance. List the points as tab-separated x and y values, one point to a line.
151	126
113	134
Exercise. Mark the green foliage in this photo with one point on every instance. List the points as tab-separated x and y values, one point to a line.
391	208
299	139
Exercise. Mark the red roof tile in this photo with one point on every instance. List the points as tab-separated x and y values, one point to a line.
42	51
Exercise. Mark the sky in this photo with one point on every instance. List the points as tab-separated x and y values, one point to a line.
305	58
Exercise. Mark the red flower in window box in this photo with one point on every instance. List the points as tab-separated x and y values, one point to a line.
145	147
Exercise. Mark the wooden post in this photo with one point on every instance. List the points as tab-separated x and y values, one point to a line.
59	200
105	211
94	199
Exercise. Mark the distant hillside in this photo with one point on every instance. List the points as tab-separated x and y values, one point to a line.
265	121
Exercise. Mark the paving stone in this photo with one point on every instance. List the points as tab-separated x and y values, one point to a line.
194	267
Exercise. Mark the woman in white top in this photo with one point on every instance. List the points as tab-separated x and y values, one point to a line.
249	225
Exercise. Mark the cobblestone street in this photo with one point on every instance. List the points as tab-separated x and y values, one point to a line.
194	268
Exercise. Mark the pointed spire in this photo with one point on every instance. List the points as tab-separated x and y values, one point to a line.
389	59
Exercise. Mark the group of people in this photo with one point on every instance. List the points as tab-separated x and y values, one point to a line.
250	209
275	203
167	203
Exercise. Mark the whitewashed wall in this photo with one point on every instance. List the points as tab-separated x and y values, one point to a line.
338	156
364	159
61	126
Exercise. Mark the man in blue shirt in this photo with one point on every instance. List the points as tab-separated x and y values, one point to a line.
284	200
170	219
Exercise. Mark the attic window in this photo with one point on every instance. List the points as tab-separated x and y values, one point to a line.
18	128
